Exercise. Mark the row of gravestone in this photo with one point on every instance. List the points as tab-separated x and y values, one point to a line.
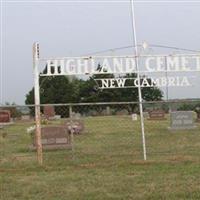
56	137
49	113
5	115
178	119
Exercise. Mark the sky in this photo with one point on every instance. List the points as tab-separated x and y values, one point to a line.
68	28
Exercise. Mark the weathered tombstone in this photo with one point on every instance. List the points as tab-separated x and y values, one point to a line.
54	137
5	117
49	112
180	120
134	117
156	115
76	116
146	115
107	110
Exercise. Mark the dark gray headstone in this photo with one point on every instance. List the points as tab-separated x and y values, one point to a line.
180	120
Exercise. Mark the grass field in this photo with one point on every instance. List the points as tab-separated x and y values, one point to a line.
107	163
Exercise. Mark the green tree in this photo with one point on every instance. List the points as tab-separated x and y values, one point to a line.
62	89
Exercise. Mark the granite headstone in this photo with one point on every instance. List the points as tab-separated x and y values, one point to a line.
157	115
5	116
180	120
49	112
53	137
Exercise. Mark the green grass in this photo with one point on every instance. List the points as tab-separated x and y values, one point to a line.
107	163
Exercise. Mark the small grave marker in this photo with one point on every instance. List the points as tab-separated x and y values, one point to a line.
134	117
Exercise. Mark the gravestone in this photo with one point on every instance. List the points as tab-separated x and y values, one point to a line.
54	137
76	116
145	115
49	112
108	110
156	115
134	117
5	117
180	120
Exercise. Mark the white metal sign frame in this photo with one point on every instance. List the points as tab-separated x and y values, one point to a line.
37	74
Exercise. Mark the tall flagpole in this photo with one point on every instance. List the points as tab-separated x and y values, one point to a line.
138	77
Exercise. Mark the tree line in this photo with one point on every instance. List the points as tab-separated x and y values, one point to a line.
71	89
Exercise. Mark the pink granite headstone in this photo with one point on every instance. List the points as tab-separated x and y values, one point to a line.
5	116
49	112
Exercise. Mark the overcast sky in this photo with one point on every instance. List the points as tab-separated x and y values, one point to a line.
73	29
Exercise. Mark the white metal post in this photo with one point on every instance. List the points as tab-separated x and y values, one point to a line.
139	84
37	102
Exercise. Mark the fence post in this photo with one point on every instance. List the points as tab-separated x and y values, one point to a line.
37	102
139	84
70	112
71	130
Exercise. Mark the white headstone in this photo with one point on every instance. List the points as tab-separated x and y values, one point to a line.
134	117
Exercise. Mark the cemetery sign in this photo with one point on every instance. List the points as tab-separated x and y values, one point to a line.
158	65
151	71
121	64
